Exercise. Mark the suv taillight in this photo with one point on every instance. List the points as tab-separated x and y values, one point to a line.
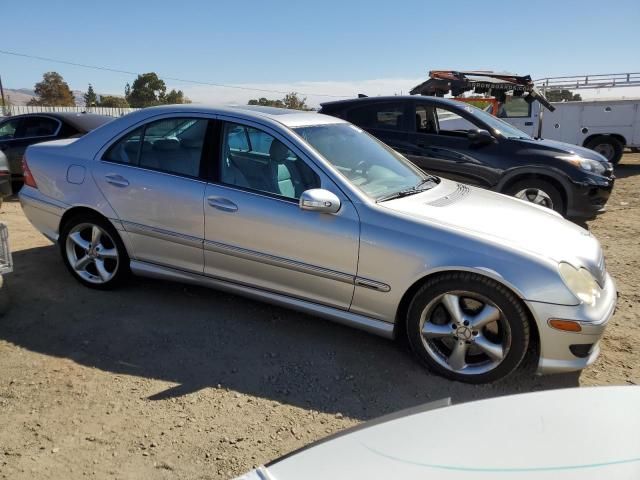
28	177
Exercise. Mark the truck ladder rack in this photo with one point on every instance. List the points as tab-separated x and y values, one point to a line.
607	80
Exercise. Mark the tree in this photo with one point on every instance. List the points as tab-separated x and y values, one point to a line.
174	97
90	98
53	91
147	90
264	102
562	96
113	102
290	100
127	90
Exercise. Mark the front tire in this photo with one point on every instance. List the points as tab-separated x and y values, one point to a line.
467	327
93	252
539	192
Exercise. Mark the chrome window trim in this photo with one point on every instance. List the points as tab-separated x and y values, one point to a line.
163	172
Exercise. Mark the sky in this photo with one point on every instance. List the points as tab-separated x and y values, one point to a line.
322	49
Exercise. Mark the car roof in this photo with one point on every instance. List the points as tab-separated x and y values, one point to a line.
392	98
84	122
288	117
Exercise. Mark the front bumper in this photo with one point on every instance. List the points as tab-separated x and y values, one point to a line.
586	200
556	346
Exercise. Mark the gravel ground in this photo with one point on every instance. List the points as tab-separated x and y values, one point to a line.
160	380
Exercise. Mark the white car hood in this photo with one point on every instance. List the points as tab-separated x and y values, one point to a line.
535	436
504	220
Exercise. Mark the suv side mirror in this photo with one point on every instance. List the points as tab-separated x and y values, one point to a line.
319	200
479	136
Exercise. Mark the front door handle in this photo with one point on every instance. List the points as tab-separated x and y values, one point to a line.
117	180
222	203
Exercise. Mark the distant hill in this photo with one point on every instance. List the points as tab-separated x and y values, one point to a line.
21	96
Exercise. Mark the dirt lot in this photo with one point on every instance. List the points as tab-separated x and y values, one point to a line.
159	380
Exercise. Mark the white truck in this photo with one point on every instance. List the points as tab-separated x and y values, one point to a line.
606	126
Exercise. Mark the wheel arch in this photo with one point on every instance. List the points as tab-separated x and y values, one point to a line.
409	294
593	136
82	209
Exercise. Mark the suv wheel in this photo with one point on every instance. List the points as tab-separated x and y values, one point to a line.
467	327
93	252
539	192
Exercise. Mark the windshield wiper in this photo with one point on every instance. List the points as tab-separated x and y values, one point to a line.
420	187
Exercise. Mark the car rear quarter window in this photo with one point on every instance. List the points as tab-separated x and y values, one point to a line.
8	129
388	116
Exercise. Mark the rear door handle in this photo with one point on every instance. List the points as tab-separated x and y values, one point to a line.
117	180
222	203
528	124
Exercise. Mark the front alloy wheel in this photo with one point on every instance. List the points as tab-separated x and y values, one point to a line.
468	327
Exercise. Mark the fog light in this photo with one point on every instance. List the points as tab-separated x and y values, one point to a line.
565	325
581	351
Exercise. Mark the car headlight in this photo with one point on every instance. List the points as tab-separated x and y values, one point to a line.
586	164
580	282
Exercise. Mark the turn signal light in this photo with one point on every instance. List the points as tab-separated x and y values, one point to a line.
565	325
28	177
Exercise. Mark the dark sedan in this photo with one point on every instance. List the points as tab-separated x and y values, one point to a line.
20	131
461	142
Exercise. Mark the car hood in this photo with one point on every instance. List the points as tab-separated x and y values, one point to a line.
564	148
504	220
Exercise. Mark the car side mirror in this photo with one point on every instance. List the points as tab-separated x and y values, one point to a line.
479	136
319	200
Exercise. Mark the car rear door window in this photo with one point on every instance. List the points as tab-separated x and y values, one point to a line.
514	107
388	116
38	127
174	145
253	159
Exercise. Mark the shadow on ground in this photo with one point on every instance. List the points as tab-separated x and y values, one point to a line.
199	338
626	170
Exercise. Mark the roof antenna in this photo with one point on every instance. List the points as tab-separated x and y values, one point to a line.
362	95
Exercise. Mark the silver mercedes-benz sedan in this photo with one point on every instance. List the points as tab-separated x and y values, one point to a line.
310	212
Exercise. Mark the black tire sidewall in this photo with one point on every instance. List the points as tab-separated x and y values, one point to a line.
547	187
618	148
510	305
123	266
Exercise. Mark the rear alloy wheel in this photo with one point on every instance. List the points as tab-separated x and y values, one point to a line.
468	328
93	252
539	192
609	147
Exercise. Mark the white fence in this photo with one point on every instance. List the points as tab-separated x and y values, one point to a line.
20	109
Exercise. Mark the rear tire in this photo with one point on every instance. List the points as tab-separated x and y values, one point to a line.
540	192
93	252
609	147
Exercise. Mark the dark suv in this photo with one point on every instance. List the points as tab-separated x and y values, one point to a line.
461	142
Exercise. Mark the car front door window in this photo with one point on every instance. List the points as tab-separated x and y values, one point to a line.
255	160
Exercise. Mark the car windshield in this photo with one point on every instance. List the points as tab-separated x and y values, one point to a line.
377	170
500	126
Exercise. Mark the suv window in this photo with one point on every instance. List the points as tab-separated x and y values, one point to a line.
253	159
452	123
8	129
385	115
514	107
38	127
